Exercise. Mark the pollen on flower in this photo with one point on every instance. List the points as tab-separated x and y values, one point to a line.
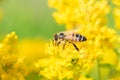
89	16
65	63
10	63
117	17
12	37
73	13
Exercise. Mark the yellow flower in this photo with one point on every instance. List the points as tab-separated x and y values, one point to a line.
116	2
116	12
117	17
68	63
80	12
89	16
8	46
11	66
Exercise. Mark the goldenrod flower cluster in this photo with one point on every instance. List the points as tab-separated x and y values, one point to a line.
98	58
80	12
89	16
11	65
68	63
116	12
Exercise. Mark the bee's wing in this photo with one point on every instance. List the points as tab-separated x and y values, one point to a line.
75	30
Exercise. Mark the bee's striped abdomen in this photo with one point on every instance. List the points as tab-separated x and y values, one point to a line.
80	38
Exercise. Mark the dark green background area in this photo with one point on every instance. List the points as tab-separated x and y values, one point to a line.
28	18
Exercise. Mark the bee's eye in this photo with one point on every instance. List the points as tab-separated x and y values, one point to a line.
61	34
77	35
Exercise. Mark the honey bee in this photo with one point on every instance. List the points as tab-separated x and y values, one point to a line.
69	37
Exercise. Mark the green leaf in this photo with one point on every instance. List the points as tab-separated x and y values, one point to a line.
106	65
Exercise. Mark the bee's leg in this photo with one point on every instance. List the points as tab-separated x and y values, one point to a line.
58	43
64	45
75	47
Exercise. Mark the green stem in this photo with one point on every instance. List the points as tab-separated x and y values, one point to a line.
98	69
75	73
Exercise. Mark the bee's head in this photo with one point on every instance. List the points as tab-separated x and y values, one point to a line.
61	35
55	37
